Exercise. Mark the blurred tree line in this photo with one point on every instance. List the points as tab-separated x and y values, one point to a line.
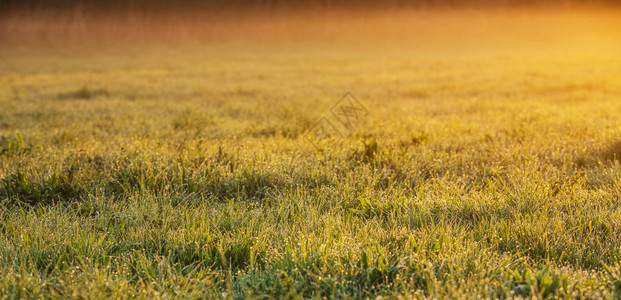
193	5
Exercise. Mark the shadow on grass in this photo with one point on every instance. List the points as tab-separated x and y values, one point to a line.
26	189
83	93
609	153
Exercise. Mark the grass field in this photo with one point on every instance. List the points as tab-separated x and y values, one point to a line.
171	158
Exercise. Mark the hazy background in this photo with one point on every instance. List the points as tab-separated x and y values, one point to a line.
58	24
192	5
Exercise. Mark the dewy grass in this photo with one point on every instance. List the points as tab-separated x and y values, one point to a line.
488	171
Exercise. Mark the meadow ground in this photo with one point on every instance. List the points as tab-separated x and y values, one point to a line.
170	157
